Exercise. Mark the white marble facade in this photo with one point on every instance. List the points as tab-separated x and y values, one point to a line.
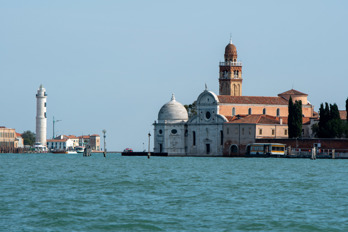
201	135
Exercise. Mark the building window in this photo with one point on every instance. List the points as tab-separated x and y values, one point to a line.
264	111
194	138
273	131
285	132
260	131
278	112
160	132
233	111
249	111
45	115
45	104
221	137
174	131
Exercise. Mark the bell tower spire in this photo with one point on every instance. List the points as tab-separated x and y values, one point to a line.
230	75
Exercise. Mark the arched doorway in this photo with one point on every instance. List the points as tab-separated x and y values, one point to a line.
233	150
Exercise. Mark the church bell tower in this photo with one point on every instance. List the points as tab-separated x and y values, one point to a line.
230	75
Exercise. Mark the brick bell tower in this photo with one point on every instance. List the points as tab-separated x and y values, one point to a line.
230	76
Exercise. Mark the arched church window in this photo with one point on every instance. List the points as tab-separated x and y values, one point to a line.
233	111
249	111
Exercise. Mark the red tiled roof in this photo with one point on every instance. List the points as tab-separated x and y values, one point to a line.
95	135
260	119
292	92
18	134
71	136
84	137
343	114
252	100
57	140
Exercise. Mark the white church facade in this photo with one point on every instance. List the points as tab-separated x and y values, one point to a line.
201	135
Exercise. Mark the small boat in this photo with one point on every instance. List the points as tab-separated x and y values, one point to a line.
80	149
58	151
71	152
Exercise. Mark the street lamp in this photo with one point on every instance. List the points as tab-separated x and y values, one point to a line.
104	131
149	154
54	121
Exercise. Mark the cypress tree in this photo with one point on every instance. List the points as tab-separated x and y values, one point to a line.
347	110
295	119
330	123
291	118
298	118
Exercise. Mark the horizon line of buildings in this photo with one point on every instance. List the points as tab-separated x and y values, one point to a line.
227	123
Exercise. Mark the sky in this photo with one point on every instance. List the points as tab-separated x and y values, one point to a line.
113	64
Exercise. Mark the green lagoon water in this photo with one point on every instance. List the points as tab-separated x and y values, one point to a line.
58	192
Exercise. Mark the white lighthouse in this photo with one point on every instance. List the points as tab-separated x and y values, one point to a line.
41	118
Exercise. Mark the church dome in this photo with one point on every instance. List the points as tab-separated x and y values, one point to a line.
173	111
230	52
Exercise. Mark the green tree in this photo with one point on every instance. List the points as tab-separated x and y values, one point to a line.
298	118
28	138
295	119
191	109
347	110
330	123
291	119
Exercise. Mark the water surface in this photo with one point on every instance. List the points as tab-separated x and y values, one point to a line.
59	192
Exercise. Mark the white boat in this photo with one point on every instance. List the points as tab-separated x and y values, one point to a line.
71	152
80	149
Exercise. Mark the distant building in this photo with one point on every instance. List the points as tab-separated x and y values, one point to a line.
7	137
60	144
19	142
228	122
70	142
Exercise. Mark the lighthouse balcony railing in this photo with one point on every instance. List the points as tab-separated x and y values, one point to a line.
230	63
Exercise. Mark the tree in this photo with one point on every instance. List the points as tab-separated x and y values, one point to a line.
291	118
191	109
295	119
28	138
298	118
347	110
330	123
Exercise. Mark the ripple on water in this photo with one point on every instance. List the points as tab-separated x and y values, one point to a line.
43	192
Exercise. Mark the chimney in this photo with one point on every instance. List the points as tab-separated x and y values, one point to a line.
281	121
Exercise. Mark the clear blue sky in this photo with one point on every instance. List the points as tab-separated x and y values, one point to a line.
113	64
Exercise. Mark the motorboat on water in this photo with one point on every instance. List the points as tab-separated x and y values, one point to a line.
79	149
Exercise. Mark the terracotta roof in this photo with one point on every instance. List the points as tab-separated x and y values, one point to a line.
262	119
343	114
230	51
292	92
71	136
259	119
18	134
84	137
95	135
57	140
252	100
